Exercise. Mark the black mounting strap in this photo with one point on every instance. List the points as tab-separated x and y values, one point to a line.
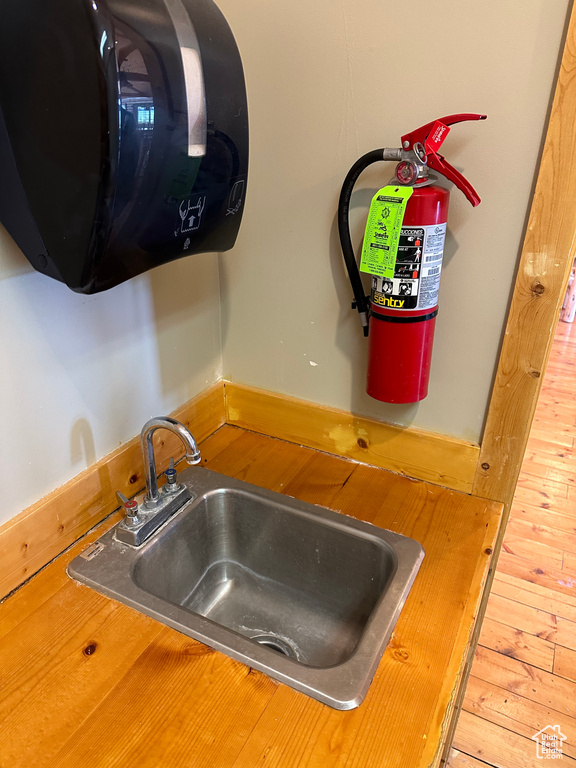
403	319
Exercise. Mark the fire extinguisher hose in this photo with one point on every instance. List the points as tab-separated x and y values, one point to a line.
361	301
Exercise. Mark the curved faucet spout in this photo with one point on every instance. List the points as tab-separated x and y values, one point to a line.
192	452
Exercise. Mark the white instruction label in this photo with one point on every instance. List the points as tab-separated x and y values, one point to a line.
416	280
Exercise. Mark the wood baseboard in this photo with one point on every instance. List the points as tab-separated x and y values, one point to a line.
37	535
424	455
41	532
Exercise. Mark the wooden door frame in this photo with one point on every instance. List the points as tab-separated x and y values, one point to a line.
543	272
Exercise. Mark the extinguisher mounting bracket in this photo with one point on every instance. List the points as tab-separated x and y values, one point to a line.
355	303
363	312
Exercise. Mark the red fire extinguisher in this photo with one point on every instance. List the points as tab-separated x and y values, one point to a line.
404	256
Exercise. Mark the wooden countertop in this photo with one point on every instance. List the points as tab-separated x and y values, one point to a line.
88	682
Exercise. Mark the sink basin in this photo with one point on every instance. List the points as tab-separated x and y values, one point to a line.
297	591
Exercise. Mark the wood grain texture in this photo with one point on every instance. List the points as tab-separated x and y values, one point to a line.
542	553
542	624
545	532
461	760
565	664
31	539
537	685
424	455
513	642
518	714
540	499
531	612
500	747
527	593
149	696
535	573
569	563
544	269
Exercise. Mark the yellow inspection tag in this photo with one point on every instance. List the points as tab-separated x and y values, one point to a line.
383	230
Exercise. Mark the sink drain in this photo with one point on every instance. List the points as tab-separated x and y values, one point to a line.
275	644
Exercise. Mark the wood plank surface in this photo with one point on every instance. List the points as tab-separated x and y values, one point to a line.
543	273
533	599
544	533
408	451
500	747
517	644
542	624
90	682
562	522
530	594
528	548
535	684
516	713
462	760
31	539
545	576
565	663
569	562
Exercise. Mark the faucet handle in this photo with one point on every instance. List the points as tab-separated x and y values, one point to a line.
170	472
130	509
172	485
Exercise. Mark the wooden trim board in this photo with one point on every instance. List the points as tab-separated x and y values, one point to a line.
31	539
424	455
543	274
545	265
41	532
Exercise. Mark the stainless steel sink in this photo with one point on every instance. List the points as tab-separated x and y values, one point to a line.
301	593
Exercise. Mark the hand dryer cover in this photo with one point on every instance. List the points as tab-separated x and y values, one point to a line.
123	135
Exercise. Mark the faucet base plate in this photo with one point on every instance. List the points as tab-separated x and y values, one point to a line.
168	505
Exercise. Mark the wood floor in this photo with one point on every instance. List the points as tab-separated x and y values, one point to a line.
524	674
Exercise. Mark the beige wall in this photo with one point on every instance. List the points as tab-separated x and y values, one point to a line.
329	81
81	374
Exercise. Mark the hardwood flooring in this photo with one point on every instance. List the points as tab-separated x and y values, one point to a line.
524	673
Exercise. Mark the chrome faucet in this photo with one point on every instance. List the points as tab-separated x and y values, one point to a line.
158	506
153	498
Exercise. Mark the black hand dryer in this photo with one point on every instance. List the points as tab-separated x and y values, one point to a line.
123	135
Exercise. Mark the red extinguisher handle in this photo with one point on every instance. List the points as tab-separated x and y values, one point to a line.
420	135
430	137
440	164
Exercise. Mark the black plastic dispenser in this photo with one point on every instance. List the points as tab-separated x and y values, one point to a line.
123	135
